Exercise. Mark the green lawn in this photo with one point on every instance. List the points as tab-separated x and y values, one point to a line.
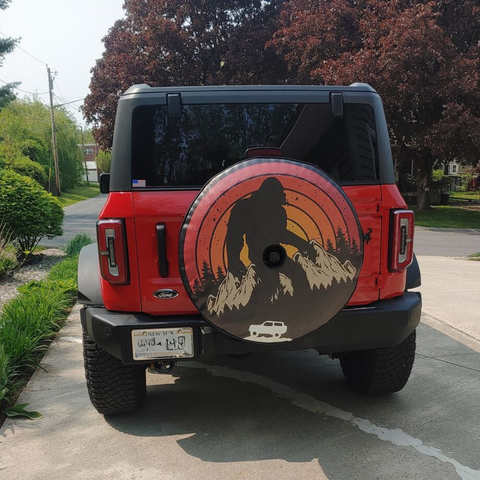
448	217
474	256
78	194
474	195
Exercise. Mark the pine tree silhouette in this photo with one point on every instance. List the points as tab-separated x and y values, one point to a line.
354	247
343	247
197	288
208	278
220	275
330	248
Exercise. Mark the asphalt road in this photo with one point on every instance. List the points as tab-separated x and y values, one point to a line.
276	416
80	217
446	242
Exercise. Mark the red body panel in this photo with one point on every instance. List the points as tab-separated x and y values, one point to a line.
143	210
366	200
123	297
169	208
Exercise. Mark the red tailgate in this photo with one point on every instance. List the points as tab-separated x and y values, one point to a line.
166	208
366	200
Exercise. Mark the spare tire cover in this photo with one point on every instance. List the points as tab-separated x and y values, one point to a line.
270	250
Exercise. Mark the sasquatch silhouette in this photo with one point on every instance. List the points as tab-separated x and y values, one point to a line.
261	221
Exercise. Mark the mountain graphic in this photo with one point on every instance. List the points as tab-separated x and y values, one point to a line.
321	272
325	268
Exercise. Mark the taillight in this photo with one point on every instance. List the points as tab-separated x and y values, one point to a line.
112	249
401	239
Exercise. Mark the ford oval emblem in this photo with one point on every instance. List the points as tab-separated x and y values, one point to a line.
165	294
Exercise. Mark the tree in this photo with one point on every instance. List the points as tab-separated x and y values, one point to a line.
343	248
25	132
422	57
220	275
208	278
164	43
330	248
104	159
197	288
6	46
28	211
354	247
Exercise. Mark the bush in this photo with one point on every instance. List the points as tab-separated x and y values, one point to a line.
28	168
7	258
76	244
104	160
30	320
29	212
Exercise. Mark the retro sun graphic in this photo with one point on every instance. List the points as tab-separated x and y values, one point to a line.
270	250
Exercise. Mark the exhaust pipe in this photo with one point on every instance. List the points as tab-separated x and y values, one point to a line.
161	367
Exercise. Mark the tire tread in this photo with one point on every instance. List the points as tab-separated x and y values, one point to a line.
382	370
113	387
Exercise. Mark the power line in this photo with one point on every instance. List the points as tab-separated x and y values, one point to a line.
66	100
67	103
24	51
59	91
23	91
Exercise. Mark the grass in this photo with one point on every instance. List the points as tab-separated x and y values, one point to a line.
30	321
78	194
77	243
448	217
465	196
474	256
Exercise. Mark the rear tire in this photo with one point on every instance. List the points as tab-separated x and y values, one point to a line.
113	387
381	370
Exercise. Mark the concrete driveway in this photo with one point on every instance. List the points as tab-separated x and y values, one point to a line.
275	416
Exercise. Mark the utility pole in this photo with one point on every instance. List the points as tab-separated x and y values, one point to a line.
84	157
57	192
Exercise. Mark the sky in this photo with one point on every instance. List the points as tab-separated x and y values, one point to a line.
65	34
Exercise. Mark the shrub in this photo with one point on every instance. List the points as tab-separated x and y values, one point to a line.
104	160
30	212
76	244
29	322
28	168
7	258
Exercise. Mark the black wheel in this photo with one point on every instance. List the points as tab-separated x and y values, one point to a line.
381	370
112	387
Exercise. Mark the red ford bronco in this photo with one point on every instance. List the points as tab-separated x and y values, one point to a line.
248	219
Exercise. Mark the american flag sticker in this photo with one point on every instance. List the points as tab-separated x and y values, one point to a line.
139	183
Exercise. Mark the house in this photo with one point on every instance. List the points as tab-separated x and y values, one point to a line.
89	151
455	168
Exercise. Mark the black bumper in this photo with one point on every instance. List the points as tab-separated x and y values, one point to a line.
384	323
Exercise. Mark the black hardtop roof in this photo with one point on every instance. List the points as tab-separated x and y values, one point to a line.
146	89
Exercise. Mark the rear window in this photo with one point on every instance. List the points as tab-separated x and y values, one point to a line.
206	139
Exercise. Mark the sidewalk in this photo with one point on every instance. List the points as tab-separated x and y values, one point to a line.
451	292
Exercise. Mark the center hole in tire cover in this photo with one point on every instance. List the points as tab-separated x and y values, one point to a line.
274	256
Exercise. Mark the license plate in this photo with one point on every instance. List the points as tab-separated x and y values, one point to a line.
162	343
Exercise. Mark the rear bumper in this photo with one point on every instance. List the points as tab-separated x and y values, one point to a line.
384	323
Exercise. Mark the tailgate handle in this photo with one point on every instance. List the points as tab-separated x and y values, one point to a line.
162	250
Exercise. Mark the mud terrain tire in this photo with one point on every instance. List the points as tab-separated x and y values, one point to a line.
382	370
113	387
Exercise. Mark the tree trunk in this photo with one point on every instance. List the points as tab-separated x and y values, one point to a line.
424	182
